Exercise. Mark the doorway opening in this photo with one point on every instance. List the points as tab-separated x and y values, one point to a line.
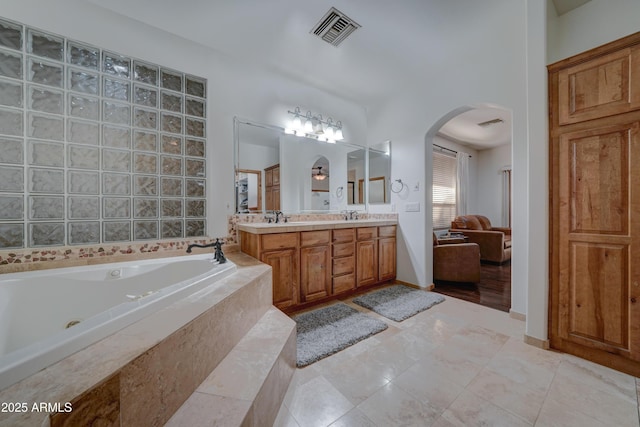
470	153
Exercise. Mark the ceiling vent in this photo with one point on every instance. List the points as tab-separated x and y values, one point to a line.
491	122
334	27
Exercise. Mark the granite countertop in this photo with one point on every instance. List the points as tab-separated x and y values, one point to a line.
285	227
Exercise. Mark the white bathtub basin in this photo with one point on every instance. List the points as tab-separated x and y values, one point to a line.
48	315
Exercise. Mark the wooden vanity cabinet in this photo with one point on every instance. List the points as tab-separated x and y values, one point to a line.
315	265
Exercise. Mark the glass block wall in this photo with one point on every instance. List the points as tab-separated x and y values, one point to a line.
96	147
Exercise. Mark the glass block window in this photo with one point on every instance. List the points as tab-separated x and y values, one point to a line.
96	147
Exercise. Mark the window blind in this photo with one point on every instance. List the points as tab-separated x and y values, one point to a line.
444	190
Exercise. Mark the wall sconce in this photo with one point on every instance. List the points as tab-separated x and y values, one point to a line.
312	125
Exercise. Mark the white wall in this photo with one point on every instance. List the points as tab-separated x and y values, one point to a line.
595	23
494	73
491	162
230	84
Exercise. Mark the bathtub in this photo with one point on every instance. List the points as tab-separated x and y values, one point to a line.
48	315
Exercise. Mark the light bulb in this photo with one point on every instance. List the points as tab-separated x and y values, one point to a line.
308	126
297	123
329	132
338	134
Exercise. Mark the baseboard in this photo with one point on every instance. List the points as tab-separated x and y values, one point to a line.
517	316
536	342
411	285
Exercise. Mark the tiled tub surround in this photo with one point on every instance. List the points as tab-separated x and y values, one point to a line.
96	147
142	374
18	260
41	306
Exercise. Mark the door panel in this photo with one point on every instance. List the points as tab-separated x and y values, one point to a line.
599	87
597	201
598	289
599	181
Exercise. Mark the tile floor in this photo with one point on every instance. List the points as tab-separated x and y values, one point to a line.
456	364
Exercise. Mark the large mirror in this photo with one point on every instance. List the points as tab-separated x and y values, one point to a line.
380	173
278	171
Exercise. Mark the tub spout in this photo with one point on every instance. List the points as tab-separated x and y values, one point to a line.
195	245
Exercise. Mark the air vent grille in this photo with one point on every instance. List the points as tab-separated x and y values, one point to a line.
334	27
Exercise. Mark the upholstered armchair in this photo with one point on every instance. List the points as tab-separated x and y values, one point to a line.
494	242
456	262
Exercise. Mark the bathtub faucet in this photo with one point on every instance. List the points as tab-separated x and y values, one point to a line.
195	245
218	255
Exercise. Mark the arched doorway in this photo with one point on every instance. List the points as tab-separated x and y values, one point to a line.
476	139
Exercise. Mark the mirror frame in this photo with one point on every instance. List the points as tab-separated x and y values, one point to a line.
237	121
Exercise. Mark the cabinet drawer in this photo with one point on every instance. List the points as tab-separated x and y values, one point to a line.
344	283
387	231
343	249
343	265
311	238
279	241
343	235
366	233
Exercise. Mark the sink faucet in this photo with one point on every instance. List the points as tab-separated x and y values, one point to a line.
278	215
350	215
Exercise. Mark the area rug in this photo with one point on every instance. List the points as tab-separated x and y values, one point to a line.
399	302
328	330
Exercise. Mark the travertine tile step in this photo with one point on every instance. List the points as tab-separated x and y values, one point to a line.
248	386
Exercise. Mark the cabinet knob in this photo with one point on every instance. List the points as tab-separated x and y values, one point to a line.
633	300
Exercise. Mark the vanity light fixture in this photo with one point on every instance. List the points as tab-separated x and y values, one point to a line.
312	125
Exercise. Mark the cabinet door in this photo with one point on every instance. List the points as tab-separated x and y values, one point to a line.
285	276
387	259
276	176
367	262
315	272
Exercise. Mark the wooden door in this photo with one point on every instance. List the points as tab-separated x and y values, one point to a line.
386	259
315	272
594	127
366	262
284	264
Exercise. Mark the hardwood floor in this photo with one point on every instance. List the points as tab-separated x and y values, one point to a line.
494	289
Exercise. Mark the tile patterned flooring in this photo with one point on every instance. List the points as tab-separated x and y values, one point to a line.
456	364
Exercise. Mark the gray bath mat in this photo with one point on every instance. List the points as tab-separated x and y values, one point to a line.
328	330
399	302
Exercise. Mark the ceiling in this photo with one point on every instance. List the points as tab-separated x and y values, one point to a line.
400	45
465	128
